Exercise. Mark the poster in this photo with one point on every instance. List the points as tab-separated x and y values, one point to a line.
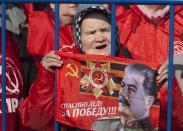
105	93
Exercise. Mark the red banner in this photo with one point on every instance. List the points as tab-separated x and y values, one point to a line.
106	93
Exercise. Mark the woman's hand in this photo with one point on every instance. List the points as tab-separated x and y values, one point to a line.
162	77
51	60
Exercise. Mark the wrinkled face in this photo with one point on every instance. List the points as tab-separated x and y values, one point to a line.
133	101
96	34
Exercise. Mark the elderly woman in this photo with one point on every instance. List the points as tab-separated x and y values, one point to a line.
92	33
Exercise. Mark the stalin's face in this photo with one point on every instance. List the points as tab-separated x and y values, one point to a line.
133	101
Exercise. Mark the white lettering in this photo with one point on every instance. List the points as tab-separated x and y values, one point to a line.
14	104
77	113
74	105
82	112
11	105
89	112
66	113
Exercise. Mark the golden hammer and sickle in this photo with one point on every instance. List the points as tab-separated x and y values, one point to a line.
74	73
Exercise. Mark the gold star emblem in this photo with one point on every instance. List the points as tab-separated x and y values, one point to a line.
98	79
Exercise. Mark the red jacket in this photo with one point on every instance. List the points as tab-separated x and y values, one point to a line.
37	111
120	11
41	35
177	111
146	40
28	8
14	85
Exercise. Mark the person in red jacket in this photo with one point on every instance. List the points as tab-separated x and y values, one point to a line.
144	31
42	37
39	103
37	111
15	84
88	37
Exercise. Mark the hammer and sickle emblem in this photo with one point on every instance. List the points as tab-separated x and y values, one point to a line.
73	72
14	85
99	77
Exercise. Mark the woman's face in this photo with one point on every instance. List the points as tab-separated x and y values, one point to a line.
96	34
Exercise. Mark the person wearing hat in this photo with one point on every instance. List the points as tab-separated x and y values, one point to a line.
40	102
92	35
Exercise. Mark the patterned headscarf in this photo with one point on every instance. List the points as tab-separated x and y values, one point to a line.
82	11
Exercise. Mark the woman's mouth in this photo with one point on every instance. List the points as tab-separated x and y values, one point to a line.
101	47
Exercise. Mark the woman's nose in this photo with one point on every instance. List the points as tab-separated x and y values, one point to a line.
100	37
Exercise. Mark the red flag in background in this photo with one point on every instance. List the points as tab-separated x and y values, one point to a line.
88	88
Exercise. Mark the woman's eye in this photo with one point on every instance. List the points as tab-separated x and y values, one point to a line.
91	32
106	30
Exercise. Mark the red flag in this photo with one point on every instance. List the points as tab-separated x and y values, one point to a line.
100	93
